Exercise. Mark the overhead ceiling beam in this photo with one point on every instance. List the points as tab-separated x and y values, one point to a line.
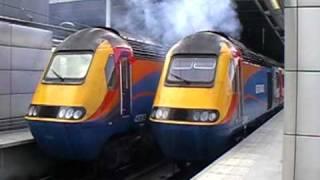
275	27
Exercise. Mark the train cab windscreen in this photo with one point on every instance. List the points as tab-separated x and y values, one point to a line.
68	68
186	70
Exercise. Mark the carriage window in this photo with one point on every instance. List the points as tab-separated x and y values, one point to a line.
192	70
110	72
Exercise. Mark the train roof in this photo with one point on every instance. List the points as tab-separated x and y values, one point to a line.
248	54
202	43
91	38
198	43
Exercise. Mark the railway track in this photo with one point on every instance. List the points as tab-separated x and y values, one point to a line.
158	170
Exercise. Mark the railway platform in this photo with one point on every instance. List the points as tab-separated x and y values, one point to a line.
259	156
15	138
20	158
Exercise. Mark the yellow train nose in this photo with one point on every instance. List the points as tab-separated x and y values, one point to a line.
70	98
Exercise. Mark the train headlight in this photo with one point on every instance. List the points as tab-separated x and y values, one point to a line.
196	116
69	113
159	113
62	113
78	114
153	113
30	111
204	116
165	114
213	116
35	111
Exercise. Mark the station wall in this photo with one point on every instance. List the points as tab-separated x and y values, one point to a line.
24	53
34	10
86	12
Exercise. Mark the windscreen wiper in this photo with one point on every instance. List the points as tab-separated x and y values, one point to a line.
57	75
180	78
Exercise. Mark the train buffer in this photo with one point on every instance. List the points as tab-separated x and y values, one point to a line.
259	156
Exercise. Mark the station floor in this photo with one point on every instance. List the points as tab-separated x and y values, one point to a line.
258	157
15	138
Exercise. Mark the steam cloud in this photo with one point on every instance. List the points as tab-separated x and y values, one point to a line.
170	20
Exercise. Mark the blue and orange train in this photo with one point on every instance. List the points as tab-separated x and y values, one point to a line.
211	88
95	95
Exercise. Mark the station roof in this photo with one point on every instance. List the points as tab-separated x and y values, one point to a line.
262	21
263	27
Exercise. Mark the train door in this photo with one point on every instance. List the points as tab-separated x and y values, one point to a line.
270	89
125	85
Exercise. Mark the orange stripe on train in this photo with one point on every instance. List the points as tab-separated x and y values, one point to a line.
232	109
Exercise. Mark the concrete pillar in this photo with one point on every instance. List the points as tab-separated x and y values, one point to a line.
301	154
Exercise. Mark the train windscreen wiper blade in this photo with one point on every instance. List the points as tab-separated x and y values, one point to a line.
180	78
57	75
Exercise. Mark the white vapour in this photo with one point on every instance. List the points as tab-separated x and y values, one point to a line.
170	20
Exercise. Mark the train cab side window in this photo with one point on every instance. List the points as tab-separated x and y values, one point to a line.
110	72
